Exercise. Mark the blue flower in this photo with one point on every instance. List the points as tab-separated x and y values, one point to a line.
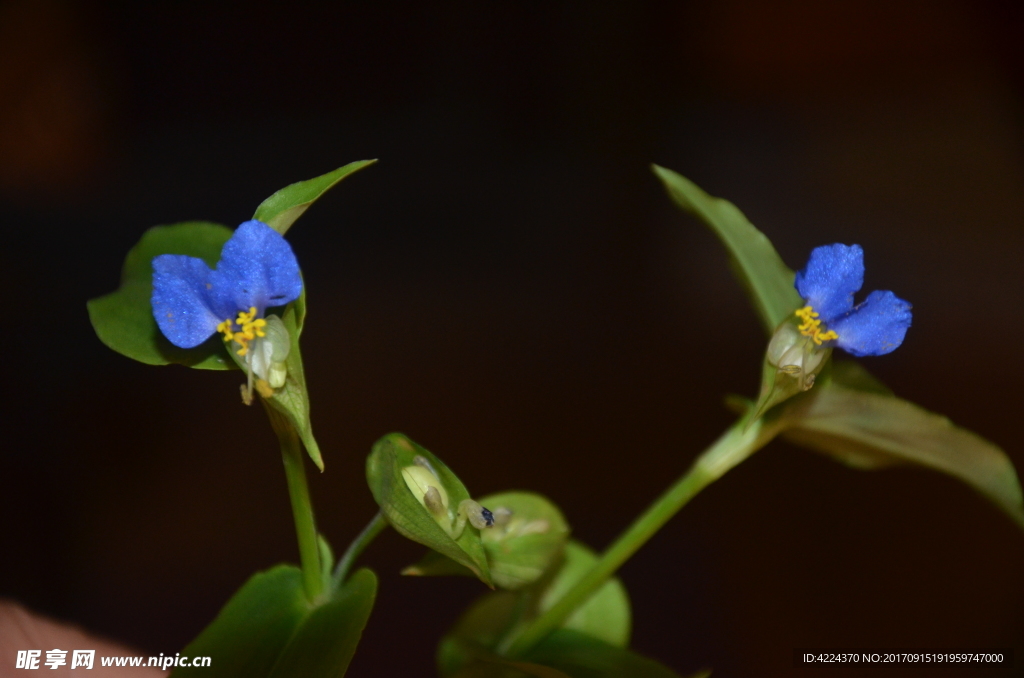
191	301
875	326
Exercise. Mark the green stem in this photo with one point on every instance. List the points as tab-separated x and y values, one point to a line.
369	533
735	445
302	506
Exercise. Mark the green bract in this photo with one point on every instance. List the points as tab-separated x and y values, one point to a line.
527	539
392	470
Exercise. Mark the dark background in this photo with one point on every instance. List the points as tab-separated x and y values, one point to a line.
510	287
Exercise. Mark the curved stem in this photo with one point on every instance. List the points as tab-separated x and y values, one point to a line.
736	444
302	507
369	533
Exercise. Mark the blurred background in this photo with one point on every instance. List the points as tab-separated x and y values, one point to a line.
510	287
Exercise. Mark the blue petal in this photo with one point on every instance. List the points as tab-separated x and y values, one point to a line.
875	327
257	268
832	275
181	304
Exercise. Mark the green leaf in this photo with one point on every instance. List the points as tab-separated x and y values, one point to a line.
519	550
326	562
851	374
269	629
123	319
252	630
768	281
480	663
404	511
872	429
326	640
564	653
495	619
583	656
606	615
281	210
292	399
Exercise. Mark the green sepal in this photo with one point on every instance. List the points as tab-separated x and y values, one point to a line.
767	280
292	399
495	619
518	552
282	209
854	418
123	319
404	511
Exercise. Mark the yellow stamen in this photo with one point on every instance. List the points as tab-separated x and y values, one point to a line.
249	325
264	388
225	329
811	326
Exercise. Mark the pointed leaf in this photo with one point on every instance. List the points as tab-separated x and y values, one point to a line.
123	319
390	456
768	281
282	209
324	643
252	629
869	429
269	629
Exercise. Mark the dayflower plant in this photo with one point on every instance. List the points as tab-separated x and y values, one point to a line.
257	270
559	610
829	318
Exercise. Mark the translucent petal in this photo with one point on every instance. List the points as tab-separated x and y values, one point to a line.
831	276
181	303
875	327
257	268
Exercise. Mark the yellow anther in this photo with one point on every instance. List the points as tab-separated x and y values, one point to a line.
811	326
249	326
258	325
264	388
225	329
244	317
